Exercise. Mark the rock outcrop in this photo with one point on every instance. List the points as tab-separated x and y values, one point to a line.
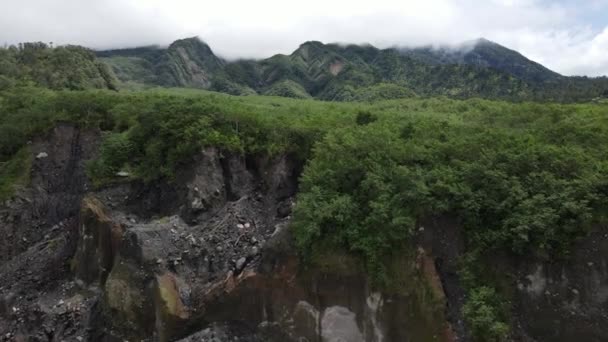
38	237
567	300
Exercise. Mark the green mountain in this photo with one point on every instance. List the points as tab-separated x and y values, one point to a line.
65	67
188	63
350	72
484	53
315	70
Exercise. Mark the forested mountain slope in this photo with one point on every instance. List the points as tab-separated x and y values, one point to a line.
64	67
349	72
324	71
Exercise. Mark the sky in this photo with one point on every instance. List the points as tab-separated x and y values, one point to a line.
568	36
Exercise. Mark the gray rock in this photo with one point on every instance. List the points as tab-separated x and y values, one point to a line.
42	155
123	174
339	324
240	264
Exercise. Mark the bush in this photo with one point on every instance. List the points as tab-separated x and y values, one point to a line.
483	314
355	198
114	154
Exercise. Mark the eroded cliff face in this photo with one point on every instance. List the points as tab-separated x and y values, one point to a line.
566	300
39	301
210	257
226	256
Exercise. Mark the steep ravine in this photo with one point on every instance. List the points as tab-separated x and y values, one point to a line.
210	258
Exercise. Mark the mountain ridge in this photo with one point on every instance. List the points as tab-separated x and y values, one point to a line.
346	72
331	72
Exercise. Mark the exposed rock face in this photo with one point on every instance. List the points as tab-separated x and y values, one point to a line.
38	236
566	301
441	244
557	301
233	260
99	239
336	67
283	304
207	186
166	270
57	184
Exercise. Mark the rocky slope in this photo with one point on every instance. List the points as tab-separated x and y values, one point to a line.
210	258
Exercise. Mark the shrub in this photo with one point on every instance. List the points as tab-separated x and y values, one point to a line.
482	312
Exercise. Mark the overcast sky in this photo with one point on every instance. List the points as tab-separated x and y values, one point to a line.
568	36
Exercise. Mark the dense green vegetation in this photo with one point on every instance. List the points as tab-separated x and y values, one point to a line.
355	73
522	178
65	67
134	72
526	181
483	311
162	129
287	88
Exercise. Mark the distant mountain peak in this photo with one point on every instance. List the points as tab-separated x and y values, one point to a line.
482	40
309	45
190	39
482	52
312	43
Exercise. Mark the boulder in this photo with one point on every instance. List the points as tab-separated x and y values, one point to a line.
99	240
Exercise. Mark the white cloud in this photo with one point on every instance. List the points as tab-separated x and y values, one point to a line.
556	34
571	52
